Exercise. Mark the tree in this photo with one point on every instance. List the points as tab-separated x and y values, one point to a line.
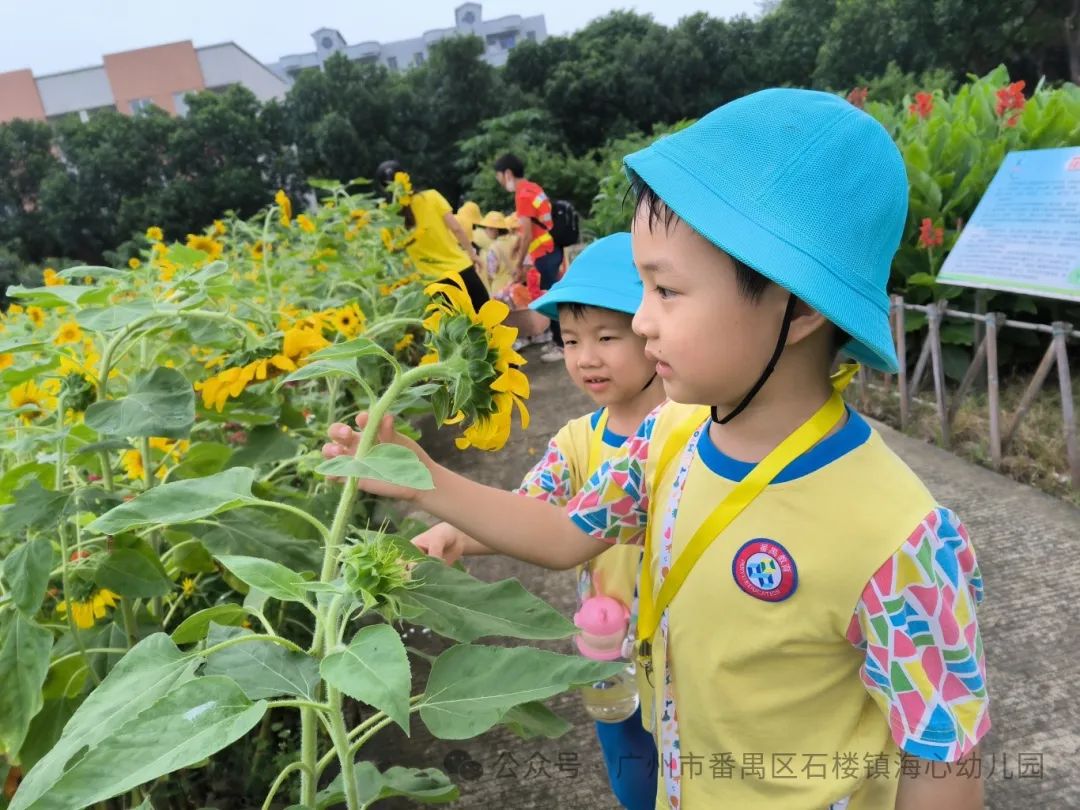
26	160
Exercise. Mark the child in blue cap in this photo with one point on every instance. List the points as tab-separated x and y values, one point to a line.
807	609
594	302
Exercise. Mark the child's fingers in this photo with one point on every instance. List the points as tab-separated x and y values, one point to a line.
343	435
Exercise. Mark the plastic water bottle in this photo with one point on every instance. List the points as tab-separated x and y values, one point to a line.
604	622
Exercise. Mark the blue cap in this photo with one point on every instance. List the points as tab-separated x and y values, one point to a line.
804	188
603	275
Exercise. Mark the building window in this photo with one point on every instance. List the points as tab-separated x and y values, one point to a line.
504	40
139	105
180	103
391	63
531	36
468	18
327	43
418	58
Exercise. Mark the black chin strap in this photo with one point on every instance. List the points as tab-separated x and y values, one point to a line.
780	343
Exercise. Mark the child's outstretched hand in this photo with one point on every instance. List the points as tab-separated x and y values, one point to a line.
343	441
442	541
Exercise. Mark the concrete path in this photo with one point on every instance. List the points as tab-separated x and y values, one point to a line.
1028	545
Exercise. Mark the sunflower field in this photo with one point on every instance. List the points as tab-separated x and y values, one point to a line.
187	589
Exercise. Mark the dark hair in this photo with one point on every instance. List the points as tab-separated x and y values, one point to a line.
510	163
384	176
750	283
576	309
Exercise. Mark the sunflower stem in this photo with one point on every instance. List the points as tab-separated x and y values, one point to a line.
69	612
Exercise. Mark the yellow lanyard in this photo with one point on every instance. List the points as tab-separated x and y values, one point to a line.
652	606
596	444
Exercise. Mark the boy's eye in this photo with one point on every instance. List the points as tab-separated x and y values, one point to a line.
604	338
664	292
568	342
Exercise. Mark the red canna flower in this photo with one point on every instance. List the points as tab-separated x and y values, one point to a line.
857	97
923	105
929	236
1010	97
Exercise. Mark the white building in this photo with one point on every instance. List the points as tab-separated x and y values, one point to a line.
499	36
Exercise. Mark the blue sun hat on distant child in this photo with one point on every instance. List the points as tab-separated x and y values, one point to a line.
603	275
804	188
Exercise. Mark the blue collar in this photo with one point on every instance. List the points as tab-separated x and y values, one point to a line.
853	434
611	439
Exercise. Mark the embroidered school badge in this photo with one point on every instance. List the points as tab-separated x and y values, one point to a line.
765	570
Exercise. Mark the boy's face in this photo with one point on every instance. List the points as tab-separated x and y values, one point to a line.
709	341
603	356
506	180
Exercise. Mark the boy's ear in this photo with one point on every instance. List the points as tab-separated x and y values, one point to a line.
805	321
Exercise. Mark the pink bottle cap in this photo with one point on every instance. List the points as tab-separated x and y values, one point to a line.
603	622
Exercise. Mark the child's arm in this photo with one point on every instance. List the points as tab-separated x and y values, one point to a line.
525	528
937	787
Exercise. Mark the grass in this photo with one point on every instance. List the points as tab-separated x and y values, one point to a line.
1036	455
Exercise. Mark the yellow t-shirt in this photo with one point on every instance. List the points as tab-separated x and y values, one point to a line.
498	264
560	474
433	249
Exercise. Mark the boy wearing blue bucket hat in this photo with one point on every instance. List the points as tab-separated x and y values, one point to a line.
807	622
594	302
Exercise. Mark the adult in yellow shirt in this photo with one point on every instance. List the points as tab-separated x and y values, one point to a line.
439	246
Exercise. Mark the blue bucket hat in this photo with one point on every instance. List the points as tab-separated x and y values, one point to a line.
803	187
603	275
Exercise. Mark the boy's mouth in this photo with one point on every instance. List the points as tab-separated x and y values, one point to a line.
595	383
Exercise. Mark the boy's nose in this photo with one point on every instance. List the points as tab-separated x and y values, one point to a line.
642	324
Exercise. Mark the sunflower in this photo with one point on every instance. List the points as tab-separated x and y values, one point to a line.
285	205
305	223
302	340
69	333
14	309
52	278
360	217
88	610
493	386
154	234
134	263
258	250
36	315
188	587
38	399
219	227
404	343
7	360
404	190
132	462
348	320
207	244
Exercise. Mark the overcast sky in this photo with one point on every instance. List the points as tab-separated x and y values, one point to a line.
48	36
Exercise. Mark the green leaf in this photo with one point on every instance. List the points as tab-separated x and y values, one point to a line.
93	270
248	532
130	574
62	295
150	670
34	507
269	577
181	502
21	345
471	688
160	403
352	350
456	605
117	316
391	463
185	726
427	786
265	444
262	669
322	368
47	726
201	459
24	662
373	669
531	720
45	474
197	625
26	574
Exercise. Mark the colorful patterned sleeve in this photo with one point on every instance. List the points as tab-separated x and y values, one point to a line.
916	625
550	479
614	504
